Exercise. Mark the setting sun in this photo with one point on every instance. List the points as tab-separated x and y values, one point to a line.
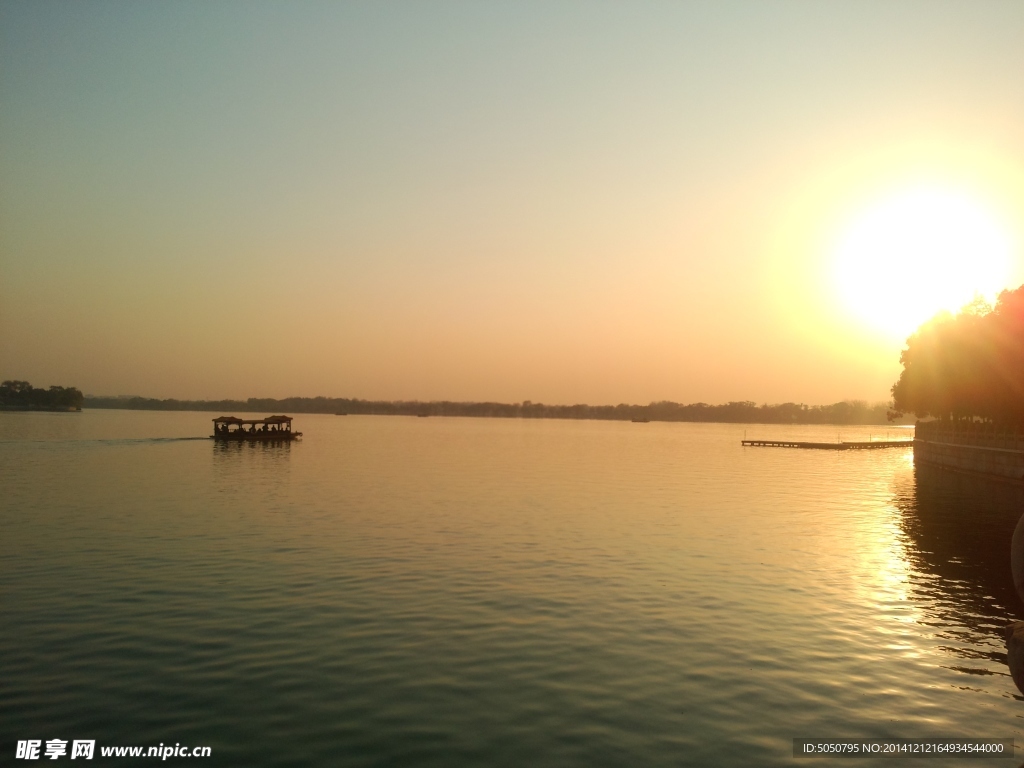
917	252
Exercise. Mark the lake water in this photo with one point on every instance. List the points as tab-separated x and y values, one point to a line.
463	592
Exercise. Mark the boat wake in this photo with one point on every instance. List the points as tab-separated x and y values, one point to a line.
114	441
143	440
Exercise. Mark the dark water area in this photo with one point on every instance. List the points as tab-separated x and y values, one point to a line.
447	592
960	526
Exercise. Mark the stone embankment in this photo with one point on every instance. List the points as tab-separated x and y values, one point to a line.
976	448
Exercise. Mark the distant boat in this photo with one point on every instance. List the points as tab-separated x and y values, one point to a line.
341	414
268	430
641	421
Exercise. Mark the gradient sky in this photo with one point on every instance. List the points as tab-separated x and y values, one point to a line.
564	202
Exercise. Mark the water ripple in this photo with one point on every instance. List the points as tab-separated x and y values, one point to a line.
472	591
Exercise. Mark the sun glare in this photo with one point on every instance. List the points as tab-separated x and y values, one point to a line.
917	252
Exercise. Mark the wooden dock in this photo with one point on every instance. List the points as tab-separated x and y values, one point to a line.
857	445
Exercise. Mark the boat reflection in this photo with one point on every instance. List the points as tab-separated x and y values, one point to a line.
242	447
241	461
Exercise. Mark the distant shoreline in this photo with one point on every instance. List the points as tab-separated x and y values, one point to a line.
68	409
746	412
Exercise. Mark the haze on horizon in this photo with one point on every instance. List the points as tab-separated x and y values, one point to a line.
561	202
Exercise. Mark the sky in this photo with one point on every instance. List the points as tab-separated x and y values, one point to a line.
563	202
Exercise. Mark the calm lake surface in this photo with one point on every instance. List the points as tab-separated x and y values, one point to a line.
464	592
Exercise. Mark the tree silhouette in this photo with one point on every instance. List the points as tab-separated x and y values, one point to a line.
21	394
967	366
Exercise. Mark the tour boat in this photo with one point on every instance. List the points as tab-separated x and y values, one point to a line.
268	430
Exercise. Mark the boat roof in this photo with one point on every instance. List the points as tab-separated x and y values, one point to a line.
268	420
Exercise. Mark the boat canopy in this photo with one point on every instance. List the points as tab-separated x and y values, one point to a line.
278	420
268	420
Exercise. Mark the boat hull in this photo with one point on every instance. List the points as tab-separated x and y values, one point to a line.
258	437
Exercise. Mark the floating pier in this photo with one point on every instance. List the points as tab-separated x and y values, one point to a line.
857	445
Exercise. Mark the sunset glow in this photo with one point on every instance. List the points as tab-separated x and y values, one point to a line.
919	251
559	203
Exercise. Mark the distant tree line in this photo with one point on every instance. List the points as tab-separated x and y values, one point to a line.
967	366
745	412
20	395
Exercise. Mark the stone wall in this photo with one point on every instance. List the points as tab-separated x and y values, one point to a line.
975	448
